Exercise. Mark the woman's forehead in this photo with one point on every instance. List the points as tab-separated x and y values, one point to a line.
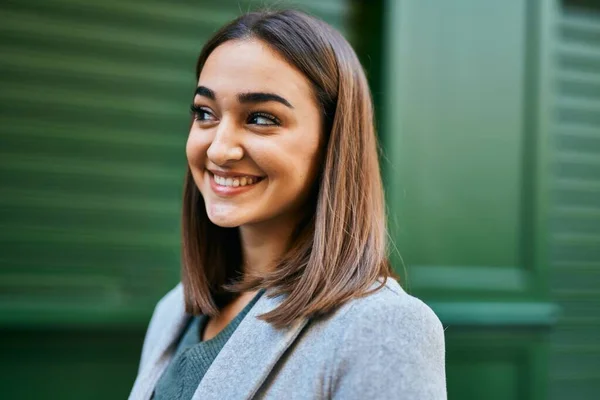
251	66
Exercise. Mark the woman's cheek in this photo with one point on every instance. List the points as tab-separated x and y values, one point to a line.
196	148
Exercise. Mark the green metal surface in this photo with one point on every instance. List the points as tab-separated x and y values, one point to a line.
69	364
461	136
495	364
94	117
93	123
467	183
574	227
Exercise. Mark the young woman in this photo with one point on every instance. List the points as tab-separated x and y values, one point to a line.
286	289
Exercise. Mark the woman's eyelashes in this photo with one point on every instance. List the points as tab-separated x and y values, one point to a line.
263	119
258	118
201	113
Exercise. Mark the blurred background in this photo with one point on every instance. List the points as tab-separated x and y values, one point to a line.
489	121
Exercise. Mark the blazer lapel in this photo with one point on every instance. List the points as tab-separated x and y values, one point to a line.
248	356
173	324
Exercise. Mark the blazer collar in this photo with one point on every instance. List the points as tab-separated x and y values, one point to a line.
241	366
249	355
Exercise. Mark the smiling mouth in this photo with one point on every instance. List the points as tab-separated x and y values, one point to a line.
237	181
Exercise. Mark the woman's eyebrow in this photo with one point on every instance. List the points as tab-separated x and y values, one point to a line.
261	97
206	92
250	97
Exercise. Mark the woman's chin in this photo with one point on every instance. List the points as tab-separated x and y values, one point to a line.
225	217
224	223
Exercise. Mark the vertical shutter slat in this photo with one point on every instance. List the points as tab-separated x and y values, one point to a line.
575	216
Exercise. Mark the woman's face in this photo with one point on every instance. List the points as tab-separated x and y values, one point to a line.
253	147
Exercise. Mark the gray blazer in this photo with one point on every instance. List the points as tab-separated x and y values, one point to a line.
387	345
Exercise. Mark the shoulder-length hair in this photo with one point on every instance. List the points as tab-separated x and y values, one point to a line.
339	250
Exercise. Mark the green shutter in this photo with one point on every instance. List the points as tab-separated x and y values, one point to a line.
575	224
93	122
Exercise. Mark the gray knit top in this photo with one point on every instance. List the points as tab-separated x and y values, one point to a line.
193	357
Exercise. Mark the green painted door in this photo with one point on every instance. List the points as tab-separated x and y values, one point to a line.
465	118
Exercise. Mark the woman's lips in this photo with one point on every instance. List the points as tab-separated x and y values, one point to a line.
226	190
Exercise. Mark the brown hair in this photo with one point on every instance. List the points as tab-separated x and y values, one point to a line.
339	250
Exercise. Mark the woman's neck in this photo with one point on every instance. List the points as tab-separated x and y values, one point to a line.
264	243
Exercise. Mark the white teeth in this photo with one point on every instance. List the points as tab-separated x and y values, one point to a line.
234	182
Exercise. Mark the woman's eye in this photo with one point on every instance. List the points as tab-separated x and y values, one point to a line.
201	114
263	119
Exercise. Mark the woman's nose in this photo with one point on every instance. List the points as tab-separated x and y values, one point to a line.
225	146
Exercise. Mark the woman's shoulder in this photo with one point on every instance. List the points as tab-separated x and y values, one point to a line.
385	320
391	305
174	297
388	328
167	315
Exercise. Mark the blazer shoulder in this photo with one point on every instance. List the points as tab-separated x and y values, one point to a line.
166	311
172	298
387	315
391	304
170	305
389	327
